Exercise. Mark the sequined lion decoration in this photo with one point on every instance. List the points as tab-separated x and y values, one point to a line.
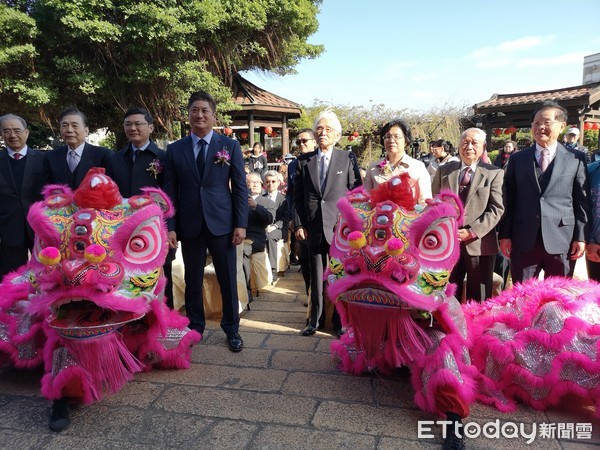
89	305
388	276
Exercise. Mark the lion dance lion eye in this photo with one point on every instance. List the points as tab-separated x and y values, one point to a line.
144	244
437	243
431	241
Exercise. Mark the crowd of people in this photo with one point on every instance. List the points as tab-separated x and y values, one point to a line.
537	208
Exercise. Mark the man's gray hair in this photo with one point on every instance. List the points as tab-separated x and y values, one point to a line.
332	118
9	116
271	173
254	175
476	130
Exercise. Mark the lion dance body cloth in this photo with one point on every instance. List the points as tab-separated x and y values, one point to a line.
388	276
90	303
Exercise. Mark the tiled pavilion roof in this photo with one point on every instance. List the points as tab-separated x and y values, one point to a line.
588	94
251	97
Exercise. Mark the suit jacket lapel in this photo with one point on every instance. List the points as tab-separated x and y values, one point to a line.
214	146
5	170
532	171
188	155
453	180
475	182
559	161
334	163
313	171
30	162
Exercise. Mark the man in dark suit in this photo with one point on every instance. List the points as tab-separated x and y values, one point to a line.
140	164
70	163
277	230
479	186
261	213
205	178
22	177
546	201
322	178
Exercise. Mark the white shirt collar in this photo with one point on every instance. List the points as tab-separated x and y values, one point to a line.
78	150
207	138
11	152
551	150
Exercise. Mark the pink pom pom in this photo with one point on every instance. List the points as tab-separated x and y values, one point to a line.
394	246
357	239
49	256
95	253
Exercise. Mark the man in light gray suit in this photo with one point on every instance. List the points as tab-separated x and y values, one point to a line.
546	202
479	186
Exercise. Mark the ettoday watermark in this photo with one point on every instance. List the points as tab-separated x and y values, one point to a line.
507	430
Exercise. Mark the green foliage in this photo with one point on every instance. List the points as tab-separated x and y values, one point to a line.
105	56
110	141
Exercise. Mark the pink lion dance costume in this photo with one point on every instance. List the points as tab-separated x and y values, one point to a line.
89	304
388	275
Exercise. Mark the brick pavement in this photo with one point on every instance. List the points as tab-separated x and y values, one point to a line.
282	392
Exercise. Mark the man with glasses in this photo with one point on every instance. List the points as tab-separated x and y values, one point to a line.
70	163
322	178
22	177
546	202
277	230
140	164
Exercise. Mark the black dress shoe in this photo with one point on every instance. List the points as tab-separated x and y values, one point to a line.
59	417
339	332
309	330
235	342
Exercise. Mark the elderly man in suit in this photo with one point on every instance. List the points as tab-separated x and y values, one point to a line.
547	207
140	164
261	213
479	185
277	230
204	176
322	178
22	177
70	163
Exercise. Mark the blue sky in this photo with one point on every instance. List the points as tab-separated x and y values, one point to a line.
422	55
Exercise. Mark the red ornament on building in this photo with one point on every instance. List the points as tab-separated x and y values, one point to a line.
227	131
587	126
244	135
268	130
596	126
356	134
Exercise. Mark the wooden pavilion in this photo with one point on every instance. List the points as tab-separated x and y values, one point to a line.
515	110
261	109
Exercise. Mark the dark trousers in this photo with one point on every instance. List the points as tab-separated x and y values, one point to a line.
12	257
526	265
223	256
480	275
318	258
304	260
593	270
168	271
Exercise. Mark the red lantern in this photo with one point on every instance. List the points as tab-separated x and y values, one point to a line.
351	138
596	126
588	126
244	135
227	131
356	134
511	130
498	131
507	131
268	130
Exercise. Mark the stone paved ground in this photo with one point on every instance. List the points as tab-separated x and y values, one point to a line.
282	392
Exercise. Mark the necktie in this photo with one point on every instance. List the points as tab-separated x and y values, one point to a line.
200	157
322	172
544	159
136	153
17	156
73	160
465	181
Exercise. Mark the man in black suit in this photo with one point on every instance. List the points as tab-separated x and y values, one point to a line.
261	213
547	207
205	178
22	177
140	164
70	163
277	230
322	178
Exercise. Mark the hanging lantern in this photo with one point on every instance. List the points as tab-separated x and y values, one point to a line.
227	131
356	134
596	126
507	131
351	137
587	126
498	131
244	135
268	130
511	130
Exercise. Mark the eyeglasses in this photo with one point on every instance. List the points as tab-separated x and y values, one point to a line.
395	137
303	141
271	181
135	124
327	130
547	123
9	131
